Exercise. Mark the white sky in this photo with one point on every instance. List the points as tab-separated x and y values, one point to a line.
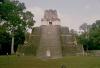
71	12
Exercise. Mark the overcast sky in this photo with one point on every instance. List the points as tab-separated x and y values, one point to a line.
71	12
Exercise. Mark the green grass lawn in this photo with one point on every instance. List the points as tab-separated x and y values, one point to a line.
33	62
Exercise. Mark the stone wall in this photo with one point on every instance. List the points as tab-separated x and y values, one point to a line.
50	42
31	44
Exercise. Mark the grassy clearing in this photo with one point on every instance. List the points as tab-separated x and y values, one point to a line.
33	62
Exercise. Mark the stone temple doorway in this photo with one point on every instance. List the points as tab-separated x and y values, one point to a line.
48	53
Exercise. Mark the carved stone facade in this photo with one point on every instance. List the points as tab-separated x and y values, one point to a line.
50	15
50	18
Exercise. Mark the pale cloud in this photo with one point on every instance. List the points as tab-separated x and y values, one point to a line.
71	21
38	14
65	19
71	12
87	6
92	19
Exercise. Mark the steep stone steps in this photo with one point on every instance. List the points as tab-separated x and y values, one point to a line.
49	42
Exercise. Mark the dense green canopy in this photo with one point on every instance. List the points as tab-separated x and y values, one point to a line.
90	39
14	21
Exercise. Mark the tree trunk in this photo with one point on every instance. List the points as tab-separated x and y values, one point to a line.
12	45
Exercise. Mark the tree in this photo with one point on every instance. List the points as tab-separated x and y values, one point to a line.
90	39
94	35
1	1
14	17
5	41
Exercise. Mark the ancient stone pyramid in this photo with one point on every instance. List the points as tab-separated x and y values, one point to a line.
50	40
50	45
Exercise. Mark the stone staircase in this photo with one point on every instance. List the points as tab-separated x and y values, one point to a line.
31	43
50	46
69	47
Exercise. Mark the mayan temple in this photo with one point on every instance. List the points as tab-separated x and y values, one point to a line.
50	40
50	45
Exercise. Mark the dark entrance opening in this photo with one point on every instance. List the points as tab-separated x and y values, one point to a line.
50	23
